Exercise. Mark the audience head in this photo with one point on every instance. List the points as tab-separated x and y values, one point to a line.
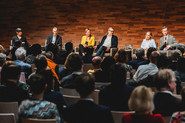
121	56
88	32
154	56
49	55
148	36
37	84
17	43
176	54
163	62
73	62
10	71
55	31
165	80
20	54
183	95
69	47
52	48
41	62
89	51
8	53
35	50
141	100
181	65
96	61
165	30
19	31
85	84
150	50
110	31
2	49
118	75
107	63
2	58
140	53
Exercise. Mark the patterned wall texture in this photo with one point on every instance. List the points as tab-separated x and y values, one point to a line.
131	19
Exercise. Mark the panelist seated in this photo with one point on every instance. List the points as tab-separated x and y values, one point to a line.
21	38
107	42
148	41
88	41
167	41
54	38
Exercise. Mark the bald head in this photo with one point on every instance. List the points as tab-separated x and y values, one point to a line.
96	61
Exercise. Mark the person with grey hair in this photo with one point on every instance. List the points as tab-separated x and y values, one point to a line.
20	54
21	38
165	102
140	53
2	58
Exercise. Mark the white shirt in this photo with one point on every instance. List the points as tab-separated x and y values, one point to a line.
144	70
107	42
54	39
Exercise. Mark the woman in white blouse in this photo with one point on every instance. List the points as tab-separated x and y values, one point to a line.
148	41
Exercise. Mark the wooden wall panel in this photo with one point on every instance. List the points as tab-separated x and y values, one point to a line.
131	19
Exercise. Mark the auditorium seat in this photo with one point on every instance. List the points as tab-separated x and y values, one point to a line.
69	91
71	99
100	85
7	118
32	120
117	115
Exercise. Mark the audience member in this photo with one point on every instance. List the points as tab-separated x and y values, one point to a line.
150	69
74	64
140	53
163	62
121	58
17	44
180	72
8	55
20	54
176	54
165	102
87	58
117	94
2	49
9	90
37	107
96	62
141	101
85	110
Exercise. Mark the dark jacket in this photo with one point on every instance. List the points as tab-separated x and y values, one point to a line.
23	39
114	41
57	42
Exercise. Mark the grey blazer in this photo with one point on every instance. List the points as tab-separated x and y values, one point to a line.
171	41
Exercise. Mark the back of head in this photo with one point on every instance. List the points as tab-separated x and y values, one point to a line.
162	78
73	62
20	53
96	61
85	84
140	52
176	54
89	51
163	62
17	43
118	75
141	100
150	50
52	48
69	46
49	55
154	56
35	49
120	56
107	63
183	95
2	58
41	62
37	83
181	65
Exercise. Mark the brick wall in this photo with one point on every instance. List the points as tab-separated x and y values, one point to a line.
131	19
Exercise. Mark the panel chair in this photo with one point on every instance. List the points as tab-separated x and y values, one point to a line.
9	107
7	118
32	120
117	115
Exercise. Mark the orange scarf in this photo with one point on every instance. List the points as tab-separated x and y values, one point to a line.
52	65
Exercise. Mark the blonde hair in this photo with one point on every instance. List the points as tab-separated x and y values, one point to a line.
141	99
150	33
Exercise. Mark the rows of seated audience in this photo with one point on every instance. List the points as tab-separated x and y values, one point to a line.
145	84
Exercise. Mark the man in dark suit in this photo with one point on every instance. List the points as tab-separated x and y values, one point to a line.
165	103
54	38
21	38
107	42
117	94
85	110
167	41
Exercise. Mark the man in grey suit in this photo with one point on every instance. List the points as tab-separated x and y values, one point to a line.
167	41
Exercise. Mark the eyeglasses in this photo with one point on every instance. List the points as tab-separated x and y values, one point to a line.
111	30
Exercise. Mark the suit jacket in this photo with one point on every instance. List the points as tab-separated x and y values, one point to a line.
166	104
114	41
115	97
23	39
86	111
57	42
171	41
